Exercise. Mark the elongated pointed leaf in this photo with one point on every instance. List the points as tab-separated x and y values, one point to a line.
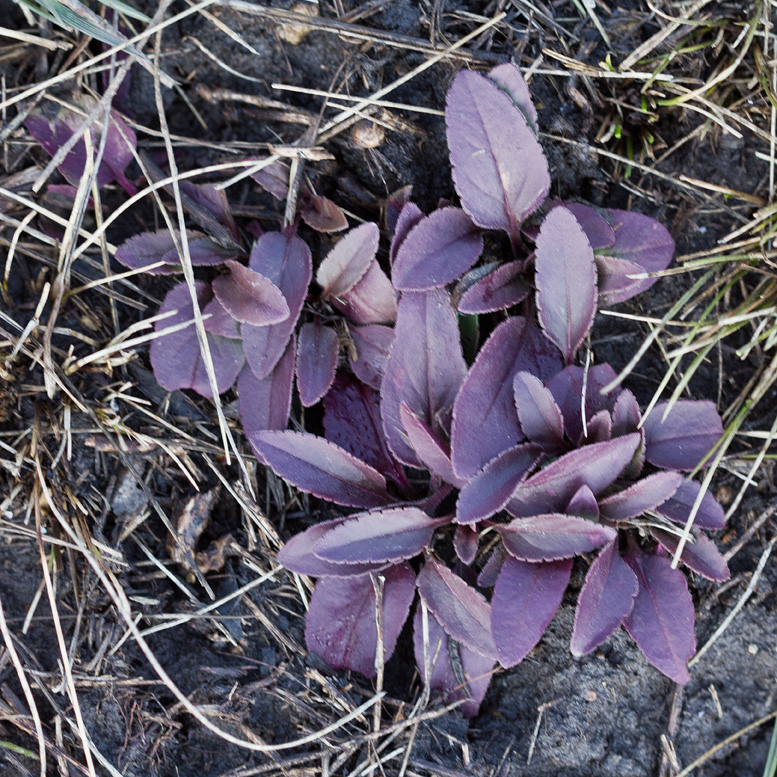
347	263
297	554
553	537
250	297
526	597
209	207
285	260
597	229
430	449
424	370
626	416
393	205
341	624
539	415
691	430
265	404
584	505
383	535
319	347
352	421
465	542
470	679
176	357
502	288
491	488
321	468
371	301
567	389
409	216
645	494
662	619
437	250
598	428
605	599
566	281
699	553
499	169
510	80
596	466
148	248
463	612
678	507
484	419
370	353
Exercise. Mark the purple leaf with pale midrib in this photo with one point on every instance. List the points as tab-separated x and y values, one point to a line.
502	288
383	535
347	263
321	468
510	80
148	248
499	169
249	297
691	430
596	465
463	612
605	599
490	489
526	597
699	553
539	415
319	347
553	537
678	507
437	250
430	449
645	494
662	619
465	543
566	281
341	624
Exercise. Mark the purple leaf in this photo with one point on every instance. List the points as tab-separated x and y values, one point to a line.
484	419
352	421
176	356
425	368
566	281
437	250
465	542
392	534
598	428
691	430
53	131
584	505
347	263
341	624
319	347
539	415
322	214
297	554
213	204
595	466
371	301
463	612
372	344
219	321
409	216
148	248
678	507
499	169
250	297
597	229
492	567
526	597
617	281
284	260
498	290
567	389
645	494
393	206
265	404
468	683
274	178
321	468
553	537
661	621
638	239
699	553
491	488
605	599
626	416
430	449
510	80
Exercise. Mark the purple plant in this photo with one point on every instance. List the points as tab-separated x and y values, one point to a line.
465	479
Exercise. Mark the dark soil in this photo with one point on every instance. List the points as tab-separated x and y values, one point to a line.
606	714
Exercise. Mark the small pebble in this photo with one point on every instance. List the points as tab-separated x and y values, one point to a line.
752	648
591	696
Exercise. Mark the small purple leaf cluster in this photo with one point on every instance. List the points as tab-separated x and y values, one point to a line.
475	485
